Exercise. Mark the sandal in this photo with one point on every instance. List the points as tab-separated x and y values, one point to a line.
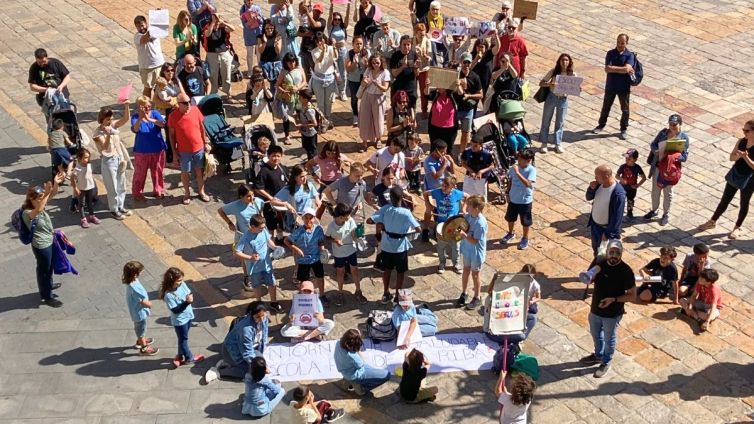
733	234
149	351
149	342
186	200
204	198
707	225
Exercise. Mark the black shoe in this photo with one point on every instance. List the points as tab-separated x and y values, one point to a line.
53	303
276	307
590	359
461	300
385	299
630	214
425	235
56	286
395	299
649	215
602	370
598	129
475	302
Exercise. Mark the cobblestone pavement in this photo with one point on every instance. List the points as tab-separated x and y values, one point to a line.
694	56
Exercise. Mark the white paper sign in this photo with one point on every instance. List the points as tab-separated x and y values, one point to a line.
456	26
483	29
436	35
508	305
568	85
304	307
315	361
159	23
416	336
479	122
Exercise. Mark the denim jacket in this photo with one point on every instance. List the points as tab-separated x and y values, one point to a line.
256	399
239	342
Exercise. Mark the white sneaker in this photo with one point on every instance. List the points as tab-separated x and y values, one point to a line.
210	375
558	149
543	149
343	95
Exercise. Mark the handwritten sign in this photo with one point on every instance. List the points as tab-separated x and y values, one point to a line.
304	307
525	9
159	23
315	361
442	78
568	85
456	26
416	336
508	305
483	29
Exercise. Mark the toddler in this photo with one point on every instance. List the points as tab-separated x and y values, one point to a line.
692	265
628	174
314	412
308	123
139	306
58	143
84	187
165	92
178	298
516	402
415	367
513	133
414	158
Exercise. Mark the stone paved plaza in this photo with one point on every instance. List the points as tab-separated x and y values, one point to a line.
75	365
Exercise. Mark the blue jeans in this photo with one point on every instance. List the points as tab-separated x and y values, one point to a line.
341	63
559	106
603	329
373	377
596	231
517	142
44	271
183	348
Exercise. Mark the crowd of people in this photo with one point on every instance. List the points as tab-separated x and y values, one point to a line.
298	65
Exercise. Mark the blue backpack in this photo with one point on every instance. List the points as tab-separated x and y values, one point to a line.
638	72
25	234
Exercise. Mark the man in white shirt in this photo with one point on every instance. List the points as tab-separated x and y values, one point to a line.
608	206
149	53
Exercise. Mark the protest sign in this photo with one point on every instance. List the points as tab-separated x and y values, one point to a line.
508	305
442	78
568	85
483	29
416	336
159	23
525	9
478	122
456	26
340	1
304	307
436	35
124	93
315	361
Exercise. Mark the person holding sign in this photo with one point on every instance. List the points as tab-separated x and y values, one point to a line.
614	285
657	157
307	318
149	53
555	102
357	375
405	313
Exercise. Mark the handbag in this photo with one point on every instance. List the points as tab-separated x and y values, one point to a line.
541	94
737	179
360	91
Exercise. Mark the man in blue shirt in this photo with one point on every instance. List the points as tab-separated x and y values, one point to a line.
522	177
619	66
397	223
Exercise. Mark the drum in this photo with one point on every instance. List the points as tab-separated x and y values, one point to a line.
324	256
448	230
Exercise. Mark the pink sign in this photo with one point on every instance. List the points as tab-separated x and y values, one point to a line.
340	1
124	93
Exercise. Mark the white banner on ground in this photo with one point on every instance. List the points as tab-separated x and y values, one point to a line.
315	361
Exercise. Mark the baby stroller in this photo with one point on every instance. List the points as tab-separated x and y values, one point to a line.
252	134
494	142
510	115
225	145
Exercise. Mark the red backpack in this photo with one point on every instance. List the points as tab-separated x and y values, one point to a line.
669	170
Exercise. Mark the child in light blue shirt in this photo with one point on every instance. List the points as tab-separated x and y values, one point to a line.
473	250
255	248
178	298
139	306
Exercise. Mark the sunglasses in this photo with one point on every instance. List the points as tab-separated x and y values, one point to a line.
169	70
183	103
511	28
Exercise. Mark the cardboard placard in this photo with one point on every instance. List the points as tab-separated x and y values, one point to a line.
159	23
442	78
568	85
483	29
305	307
508	305
456	26
525	9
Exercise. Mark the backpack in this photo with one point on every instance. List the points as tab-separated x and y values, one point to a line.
322	123
25	234
380	327
669	170
638	72
497	360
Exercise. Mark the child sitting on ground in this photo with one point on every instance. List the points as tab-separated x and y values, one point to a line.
706	302
693	264
516	402
473	250
302	333
415	367
628	174
314	412
262	394
405	313
342	234
664	268
58	143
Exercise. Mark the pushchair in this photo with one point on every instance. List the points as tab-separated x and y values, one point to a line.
226	146
252	133
494	142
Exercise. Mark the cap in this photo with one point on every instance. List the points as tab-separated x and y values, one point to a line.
513	23
675	119
612	246
466	57
385	19
405	298
505	5
318	7
631	153
309	211
306	285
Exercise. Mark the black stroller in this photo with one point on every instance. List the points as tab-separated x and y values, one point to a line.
494	142
226	146
252	135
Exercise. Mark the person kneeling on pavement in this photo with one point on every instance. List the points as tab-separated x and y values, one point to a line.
301	333
357	375
406	312
262	393
246	339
